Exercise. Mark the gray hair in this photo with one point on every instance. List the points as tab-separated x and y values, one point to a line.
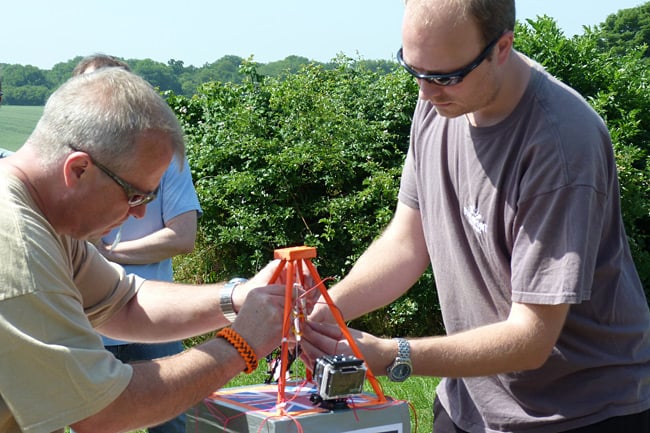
98	61
104	113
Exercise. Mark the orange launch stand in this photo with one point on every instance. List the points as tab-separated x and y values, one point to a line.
293	261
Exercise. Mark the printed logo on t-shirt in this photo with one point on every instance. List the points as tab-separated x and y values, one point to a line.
475	219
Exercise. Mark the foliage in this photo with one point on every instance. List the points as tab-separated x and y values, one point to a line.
627	29
158	74
28	85
313	158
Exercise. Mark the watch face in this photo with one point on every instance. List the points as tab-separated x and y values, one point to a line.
400	372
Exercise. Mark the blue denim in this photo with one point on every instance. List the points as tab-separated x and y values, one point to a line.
141	352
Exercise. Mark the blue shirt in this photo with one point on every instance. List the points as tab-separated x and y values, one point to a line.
175	197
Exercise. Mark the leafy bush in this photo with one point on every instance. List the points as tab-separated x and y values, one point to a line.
315	157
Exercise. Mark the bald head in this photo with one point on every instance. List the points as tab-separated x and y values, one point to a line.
492	17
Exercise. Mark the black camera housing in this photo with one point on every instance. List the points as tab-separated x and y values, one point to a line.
339	376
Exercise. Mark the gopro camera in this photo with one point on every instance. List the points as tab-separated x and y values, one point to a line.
339	376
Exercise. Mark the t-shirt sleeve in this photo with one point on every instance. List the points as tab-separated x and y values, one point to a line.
178	193
555	249
408	193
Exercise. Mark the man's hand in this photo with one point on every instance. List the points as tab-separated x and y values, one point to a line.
321	339
259	320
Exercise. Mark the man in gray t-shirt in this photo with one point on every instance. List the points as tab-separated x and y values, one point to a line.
510	192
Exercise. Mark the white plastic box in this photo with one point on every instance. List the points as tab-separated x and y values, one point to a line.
253	409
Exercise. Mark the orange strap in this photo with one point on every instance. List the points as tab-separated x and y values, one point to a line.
245	351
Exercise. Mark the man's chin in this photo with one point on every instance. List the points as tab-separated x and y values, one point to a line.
447	110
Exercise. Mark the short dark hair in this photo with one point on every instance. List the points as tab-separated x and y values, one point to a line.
493	16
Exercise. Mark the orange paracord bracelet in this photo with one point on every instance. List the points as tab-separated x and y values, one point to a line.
242	347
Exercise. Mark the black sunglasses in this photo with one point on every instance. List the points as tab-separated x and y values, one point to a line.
452	78
135	197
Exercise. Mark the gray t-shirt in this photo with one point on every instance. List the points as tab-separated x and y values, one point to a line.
528	211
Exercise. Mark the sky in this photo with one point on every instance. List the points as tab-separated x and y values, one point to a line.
45	32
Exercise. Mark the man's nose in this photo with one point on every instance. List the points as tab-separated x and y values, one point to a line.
428	90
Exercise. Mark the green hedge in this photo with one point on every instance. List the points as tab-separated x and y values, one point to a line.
314	158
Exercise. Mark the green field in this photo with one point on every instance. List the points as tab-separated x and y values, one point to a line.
16	123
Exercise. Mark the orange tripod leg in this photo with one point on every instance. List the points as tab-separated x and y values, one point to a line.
292	260
346	333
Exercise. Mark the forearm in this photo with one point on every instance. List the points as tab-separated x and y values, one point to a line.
522	342
152	248
164	388
483	351
377	279
164	311
387	269
168	311
177	237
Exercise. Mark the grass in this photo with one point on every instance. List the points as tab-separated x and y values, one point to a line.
16	124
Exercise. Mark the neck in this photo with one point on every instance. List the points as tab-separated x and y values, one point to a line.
19	165
512	88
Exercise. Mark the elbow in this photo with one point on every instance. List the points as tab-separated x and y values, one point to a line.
536	357
185	245
186	248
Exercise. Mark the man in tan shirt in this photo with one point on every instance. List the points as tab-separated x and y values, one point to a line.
95	158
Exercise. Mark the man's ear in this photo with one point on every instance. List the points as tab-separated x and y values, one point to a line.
504	47
74	168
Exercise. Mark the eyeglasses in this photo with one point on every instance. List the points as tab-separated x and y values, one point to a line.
135	197
452	78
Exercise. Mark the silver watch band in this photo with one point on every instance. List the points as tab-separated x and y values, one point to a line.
225	298
403	348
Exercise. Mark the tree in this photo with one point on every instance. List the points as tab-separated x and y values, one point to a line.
627	29
18	75
176	66
158	74
24	85
289	65
61	72
26	95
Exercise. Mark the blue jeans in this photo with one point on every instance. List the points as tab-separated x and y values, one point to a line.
142	352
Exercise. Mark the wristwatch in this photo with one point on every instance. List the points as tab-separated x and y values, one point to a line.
401	368
225	298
